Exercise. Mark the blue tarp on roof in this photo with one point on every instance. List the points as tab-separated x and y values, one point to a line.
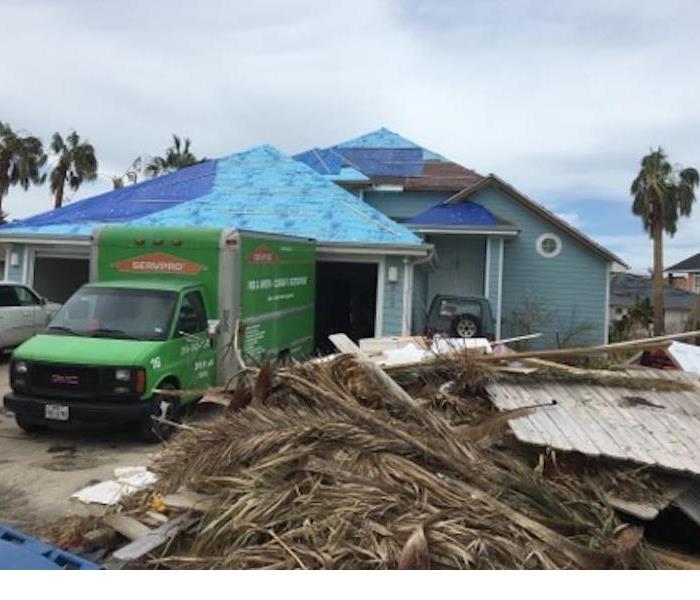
384	162
461	214
264	190
380	153
385	138
261	189
123	204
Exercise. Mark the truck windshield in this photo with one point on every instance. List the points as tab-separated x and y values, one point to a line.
116	313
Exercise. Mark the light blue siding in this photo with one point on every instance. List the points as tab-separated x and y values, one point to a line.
403	205
392	315
461	269
564	296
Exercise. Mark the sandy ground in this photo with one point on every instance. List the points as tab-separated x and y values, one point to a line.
39	472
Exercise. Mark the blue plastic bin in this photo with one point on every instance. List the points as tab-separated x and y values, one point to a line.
21	551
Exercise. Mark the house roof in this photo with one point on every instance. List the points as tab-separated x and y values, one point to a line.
541	211
120	205
385	157
626	289
261	189
462	216
689	265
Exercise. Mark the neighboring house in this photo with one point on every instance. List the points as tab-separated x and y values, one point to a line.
364	258
539	272
686	274
627	289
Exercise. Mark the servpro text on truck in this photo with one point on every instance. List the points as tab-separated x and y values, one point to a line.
160	313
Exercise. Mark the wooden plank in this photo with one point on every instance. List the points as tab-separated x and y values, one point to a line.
518	338
189	500
129	527
654	342
153	540
344	344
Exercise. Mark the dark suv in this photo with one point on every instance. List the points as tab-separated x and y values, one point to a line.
460	316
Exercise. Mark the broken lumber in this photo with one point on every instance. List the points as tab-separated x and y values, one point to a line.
154	539
129	527
645	343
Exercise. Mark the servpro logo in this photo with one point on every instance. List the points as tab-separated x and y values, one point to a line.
159	262
262	254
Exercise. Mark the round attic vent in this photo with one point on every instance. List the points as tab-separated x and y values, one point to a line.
548	245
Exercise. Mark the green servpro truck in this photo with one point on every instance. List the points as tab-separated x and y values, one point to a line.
165	309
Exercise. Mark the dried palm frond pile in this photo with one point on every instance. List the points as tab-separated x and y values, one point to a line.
333	466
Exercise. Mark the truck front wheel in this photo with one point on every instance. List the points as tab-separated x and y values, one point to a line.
168	408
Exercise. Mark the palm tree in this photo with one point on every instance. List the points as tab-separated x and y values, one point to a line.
662	194
21	159
131	174
76	163
176	157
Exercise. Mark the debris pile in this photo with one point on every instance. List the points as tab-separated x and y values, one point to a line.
331	468
333	464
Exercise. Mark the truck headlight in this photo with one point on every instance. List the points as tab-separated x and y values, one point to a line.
122	374
21	367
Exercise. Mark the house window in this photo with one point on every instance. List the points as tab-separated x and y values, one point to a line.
548	245
696	283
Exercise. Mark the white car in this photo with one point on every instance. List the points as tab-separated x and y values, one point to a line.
23	313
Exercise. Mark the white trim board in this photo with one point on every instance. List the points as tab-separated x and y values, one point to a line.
487	267
501	251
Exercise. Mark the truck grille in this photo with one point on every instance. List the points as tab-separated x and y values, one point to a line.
63	380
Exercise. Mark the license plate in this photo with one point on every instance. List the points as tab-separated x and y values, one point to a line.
56	412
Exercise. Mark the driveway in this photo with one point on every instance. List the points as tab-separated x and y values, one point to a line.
38	473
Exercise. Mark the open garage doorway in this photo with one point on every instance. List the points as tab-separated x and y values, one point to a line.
56	278
346	301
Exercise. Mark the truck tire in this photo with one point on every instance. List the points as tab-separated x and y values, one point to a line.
30	426
169	407
466	326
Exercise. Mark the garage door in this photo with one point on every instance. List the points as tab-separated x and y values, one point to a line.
346	301
57	278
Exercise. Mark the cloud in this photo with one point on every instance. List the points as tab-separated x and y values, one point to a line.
560	99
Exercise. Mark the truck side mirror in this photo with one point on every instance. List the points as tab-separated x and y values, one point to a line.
213	327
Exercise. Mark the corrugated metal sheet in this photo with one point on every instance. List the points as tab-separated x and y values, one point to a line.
647	427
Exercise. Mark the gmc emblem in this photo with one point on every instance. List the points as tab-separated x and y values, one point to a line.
64	379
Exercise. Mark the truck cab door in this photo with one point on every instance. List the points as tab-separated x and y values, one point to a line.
197	349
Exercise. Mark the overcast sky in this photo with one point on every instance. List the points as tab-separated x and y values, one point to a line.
561	99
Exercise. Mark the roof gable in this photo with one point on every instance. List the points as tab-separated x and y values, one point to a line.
539	210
